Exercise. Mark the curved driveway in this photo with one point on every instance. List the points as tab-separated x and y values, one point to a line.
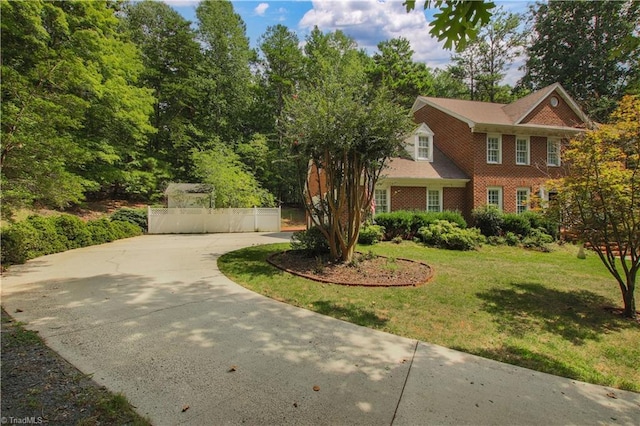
152	317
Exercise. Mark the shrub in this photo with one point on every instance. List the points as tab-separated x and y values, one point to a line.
488	219
122	229
537	239
49	240
405	224
395	224
511	239
20	242
452	216
311	240
72	230
448	235
420	220
371	234
544	221
101	231
135	216
516	223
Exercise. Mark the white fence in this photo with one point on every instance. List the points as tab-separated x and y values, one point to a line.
202	220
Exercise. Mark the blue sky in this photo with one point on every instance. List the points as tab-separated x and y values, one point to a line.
367	21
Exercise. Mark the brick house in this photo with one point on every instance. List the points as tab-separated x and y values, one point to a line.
466	154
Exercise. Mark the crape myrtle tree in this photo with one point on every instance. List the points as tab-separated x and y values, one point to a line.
600	196
344	130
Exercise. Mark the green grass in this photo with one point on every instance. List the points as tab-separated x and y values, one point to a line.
543	311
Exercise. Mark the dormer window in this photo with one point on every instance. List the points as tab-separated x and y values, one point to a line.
423	143
424	147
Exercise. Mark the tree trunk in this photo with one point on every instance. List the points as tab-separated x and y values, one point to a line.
628	297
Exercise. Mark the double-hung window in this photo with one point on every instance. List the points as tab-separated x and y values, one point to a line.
434	200
553	152
424	147
522	199
494	149
494	196
522	150
382	201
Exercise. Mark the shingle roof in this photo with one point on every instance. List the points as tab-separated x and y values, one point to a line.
475	112
518	109
441	168
191	188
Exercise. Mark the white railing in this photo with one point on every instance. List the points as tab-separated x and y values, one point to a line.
202	220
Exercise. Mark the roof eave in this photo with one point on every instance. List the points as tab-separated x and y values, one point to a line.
421	101
568	99
526	129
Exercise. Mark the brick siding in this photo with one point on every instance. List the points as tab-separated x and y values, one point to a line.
561	115
408	198
468	152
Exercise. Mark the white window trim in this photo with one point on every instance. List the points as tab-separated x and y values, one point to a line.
500	198
429	135
388	195
558	144
526	206
499	137
440	200
528	139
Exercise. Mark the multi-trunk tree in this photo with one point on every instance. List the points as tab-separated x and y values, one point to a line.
600	197
345	130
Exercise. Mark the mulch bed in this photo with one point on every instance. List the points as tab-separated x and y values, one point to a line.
365	270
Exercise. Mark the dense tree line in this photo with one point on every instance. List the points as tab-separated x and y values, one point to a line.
110	99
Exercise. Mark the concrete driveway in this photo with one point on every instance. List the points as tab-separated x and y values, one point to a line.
152	317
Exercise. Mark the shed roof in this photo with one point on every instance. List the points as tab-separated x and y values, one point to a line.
190	188
440	168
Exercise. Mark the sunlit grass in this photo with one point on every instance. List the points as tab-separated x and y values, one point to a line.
543	311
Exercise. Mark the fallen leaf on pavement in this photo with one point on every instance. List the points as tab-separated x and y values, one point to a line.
612	395
185	408
316	388
233	368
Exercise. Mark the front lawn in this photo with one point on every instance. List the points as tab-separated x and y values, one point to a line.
544	311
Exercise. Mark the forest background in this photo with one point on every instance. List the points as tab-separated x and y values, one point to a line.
113	100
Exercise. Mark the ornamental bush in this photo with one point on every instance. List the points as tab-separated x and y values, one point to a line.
371	234
488	219
38	236
395	224
310	240
135	216
72	230
448	235
516	223
406	224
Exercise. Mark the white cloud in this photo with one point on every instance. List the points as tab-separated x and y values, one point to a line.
372	21
181	2
261	9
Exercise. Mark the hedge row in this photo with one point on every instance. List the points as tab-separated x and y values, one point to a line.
405	224
494	223
38	235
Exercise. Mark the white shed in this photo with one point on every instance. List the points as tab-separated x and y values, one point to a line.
186	195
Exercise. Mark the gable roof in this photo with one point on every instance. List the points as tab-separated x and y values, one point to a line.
490	113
